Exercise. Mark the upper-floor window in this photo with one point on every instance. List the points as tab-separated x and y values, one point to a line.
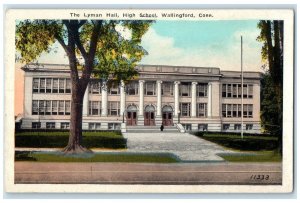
235	91
51	107
114	90
114	108
202	90
185	90
185	109
132	88
201	109
94	107
95	87
234	110
51	85
167	89
150	88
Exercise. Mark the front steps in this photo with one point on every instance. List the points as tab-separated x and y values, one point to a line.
151	129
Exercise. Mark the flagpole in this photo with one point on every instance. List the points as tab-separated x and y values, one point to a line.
242	86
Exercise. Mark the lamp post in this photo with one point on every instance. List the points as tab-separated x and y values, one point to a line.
123	120
178	117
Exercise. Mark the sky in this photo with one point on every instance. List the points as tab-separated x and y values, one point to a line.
195	43
184	43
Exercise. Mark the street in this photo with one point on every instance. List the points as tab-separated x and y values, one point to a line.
148	173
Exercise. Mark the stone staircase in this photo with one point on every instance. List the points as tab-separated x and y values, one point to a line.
151	129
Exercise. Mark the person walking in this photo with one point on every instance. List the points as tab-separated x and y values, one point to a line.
162	127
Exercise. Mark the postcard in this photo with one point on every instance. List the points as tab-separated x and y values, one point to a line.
149	100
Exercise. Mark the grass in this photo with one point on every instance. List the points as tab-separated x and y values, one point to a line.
95	157
112	140
248	143
262	156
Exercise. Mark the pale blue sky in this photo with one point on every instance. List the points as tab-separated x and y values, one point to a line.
197	43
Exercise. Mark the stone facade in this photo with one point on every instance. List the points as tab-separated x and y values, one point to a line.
199	98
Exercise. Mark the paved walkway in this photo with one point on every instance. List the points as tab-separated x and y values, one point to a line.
185	146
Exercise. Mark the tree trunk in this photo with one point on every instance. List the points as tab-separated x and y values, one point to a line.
75	138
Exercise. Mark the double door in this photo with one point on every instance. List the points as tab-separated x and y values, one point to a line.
149	118
167	118
131	118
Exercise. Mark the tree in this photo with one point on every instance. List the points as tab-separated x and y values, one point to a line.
94	49
272	53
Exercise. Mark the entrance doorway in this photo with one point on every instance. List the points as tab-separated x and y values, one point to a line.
149	116
167	116
131	115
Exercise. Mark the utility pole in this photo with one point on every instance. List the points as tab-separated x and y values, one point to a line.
242	86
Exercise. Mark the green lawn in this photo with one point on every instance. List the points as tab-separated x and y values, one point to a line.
95	157
248	143
262	156
112	140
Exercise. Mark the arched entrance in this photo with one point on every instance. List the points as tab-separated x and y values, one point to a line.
149	117
167	116
131	115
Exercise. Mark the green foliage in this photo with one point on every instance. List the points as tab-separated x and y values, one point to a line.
110	140
264	156
35	37
248	143
270	120
96	157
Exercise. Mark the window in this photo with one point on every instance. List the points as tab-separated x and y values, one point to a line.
68	107
224	90
114	126
54	107
239	90
187	127
167	89
245	91
202	90
55	86
202	127
250	91
234	90
224	110
229	110
185	90
48	107
133	88
50	125
35	85
48	85
61	107
36	125
114	90
234	110
229	90
150	88
114	108
249	126
226	126
95	87
68	85
94	108
94	126
248	110
65	125
42	85
185	109
239	110
237	126
201	110
35	107
42	107
61	85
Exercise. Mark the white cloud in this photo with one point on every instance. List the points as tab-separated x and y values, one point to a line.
162	51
